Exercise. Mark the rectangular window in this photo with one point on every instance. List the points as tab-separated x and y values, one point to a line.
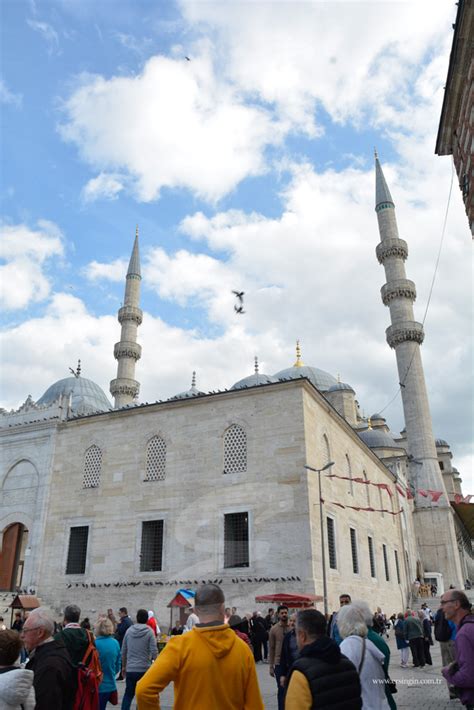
441	465
151	553
385	563
397	567
236	540
331	543
77	551
371	557
355	557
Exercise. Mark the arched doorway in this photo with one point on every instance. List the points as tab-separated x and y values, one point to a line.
12	556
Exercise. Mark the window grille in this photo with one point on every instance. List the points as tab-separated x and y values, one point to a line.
349	474
156	460
235	449
331	543
385	563
355	556
151	553
92	467
367	489
236	540
371	557
77	551
397	566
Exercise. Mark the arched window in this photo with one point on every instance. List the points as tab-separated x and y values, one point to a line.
349	475
235	449
367	488
326	453
92	467
381	502
156	459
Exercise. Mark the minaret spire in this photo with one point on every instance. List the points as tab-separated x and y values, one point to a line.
125	388
434	524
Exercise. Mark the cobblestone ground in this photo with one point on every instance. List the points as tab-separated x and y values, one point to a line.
418	689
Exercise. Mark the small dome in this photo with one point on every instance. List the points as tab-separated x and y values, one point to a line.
87	397
379	439
377	418
192	392
258	378
441	443
340	386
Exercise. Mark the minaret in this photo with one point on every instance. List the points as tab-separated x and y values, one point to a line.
434	524
125	388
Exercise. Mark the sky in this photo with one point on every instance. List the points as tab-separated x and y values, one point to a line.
239	137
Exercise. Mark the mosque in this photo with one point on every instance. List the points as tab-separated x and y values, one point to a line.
109	505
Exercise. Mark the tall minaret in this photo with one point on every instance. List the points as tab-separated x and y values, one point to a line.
124	388
434	524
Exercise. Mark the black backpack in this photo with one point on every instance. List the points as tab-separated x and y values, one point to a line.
442	630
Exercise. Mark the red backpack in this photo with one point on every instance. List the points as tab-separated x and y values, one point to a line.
89	677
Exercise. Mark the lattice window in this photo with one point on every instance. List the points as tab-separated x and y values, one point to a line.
331	543
77	551
156	460
385	563
355	555
349	475
236	540
371	556
397	566
235	449
92	467
151	553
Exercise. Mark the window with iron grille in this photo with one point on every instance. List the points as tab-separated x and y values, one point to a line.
151	553
156	459
385	563
371	556
397	566
92	467
236	540
77	551
235	449
331	543
355	556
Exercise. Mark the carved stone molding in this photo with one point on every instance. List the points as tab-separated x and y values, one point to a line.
127	349
122	386
391	247
399	288
130	313
403	332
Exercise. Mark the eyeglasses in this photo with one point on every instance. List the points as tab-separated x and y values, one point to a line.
32	628
447	601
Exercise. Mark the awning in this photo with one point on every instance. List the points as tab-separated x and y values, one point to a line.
183	598
25	601
466	512
294	601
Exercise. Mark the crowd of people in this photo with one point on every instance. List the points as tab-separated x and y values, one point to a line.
340	662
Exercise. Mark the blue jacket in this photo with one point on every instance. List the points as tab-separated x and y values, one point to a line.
110	660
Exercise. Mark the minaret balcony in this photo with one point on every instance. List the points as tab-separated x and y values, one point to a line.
404	332
397	248
127	349
124	386
130	313
399	288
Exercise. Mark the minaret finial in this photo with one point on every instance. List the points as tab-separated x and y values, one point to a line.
193	380
338	376
299	362
136	232
256	364
383	198
376	155
78	371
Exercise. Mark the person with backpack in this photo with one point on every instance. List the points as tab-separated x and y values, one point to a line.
75	636
460	674
445	633
55	678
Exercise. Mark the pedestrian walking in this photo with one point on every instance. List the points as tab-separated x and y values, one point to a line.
333	631
460	674
110	660
275	642
258	635
289	651
427	637
414	636
16	684
139	650
75	637
210	667
402	644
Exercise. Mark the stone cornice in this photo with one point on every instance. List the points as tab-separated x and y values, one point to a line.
122	386
399	288
403	332
391	248
127	313
127	349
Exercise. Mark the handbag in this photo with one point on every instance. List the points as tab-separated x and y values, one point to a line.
390	684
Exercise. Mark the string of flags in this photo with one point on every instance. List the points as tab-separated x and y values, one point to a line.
458	498
367	510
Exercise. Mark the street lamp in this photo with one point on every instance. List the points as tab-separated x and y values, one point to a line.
323	553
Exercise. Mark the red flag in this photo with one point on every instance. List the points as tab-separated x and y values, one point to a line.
410	495
458	498
422	492
400	490
435	495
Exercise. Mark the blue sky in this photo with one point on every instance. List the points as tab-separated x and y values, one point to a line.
250	166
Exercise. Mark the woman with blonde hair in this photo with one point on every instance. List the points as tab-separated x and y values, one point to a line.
366	657
110	660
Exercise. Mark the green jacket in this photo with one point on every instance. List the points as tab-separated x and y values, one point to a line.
413	628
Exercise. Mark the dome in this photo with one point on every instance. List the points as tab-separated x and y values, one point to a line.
377	418
379	439
441	442
258	378
340	386
320	379
192	392
87	397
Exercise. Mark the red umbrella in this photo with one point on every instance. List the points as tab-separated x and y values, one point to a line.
295	601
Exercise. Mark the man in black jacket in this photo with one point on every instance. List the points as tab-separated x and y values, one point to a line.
55	676
322	677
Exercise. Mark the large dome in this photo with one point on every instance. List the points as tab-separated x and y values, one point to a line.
379	439
320	379
87	397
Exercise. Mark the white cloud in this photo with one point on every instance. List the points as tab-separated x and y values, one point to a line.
173	125
8	97
105	186
113	271
26	253
48	33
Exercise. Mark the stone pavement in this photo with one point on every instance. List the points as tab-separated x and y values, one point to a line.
418	689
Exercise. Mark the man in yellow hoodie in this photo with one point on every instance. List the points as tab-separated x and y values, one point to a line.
211	668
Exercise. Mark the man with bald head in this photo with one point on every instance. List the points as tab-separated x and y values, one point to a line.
209	666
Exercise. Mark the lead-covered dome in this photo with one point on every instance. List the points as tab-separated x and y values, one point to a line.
258	378
191	392
379	439
86	396
319	378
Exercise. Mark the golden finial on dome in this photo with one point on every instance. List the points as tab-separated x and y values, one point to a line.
369	423
299	362
193	381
